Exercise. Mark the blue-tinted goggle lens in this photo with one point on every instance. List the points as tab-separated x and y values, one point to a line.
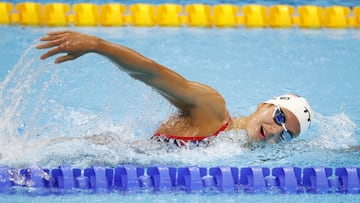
279	118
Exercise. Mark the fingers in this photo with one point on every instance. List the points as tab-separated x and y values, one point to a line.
52	39
58	42
59	59
65	58
54	35
51	52
50	44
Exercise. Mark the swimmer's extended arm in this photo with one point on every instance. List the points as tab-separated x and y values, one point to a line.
184	94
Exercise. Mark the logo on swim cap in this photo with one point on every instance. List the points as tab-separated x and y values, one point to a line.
298	106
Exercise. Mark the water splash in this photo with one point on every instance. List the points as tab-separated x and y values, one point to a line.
333	132
12	91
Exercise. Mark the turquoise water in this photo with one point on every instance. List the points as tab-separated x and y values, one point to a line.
49	111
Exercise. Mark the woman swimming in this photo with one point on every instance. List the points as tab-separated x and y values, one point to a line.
202	111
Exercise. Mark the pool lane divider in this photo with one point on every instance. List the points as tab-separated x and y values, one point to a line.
177	15
192	179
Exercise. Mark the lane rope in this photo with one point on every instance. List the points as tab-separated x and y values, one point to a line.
177	15
159	178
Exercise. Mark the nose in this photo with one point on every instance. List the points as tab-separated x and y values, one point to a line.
275	129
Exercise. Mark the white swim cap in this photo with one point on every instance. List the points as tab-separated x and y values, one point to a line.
298	106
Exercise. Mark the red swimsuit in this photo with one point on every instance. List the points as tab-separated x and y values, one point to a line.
181	140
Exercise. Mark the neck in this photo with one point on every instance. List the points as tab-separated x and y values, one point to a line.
237	123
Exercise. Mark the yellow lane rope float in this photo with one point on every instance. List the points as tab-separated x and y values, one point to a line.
176	15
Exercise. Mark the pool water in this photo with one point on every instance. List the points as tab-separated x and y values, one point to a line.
88	112
50	107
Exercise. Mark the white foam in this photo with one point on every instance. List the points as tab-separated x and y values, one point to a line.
333	132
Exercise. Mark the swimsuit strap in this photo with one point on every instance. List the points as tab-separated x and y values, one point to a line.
223	127
195	138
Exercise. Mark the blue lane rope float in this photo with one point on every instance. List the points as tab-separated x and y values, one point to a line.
177	15
192	179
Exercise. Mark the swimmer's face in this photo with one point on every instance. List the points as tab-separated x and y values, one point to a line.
261	125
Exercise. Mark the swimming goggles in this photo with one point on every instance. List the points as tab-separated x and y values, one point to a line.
279	118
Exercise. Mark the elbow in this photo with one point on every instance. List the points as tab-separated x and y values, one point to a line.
144	77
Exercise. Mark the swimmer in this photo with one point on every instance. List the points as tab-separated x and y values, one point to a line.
202	112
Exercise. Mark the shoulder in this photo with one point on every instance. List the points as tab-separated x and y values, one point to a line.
206	92
206	98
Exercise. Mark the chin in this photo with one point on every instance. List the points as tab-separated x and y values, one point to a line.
253	137
272	141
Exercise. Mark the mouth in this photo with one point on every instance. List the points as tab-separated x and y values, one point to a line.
262	134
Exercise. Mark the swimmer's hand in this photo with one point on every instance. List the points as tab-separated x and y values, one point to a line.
73	44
